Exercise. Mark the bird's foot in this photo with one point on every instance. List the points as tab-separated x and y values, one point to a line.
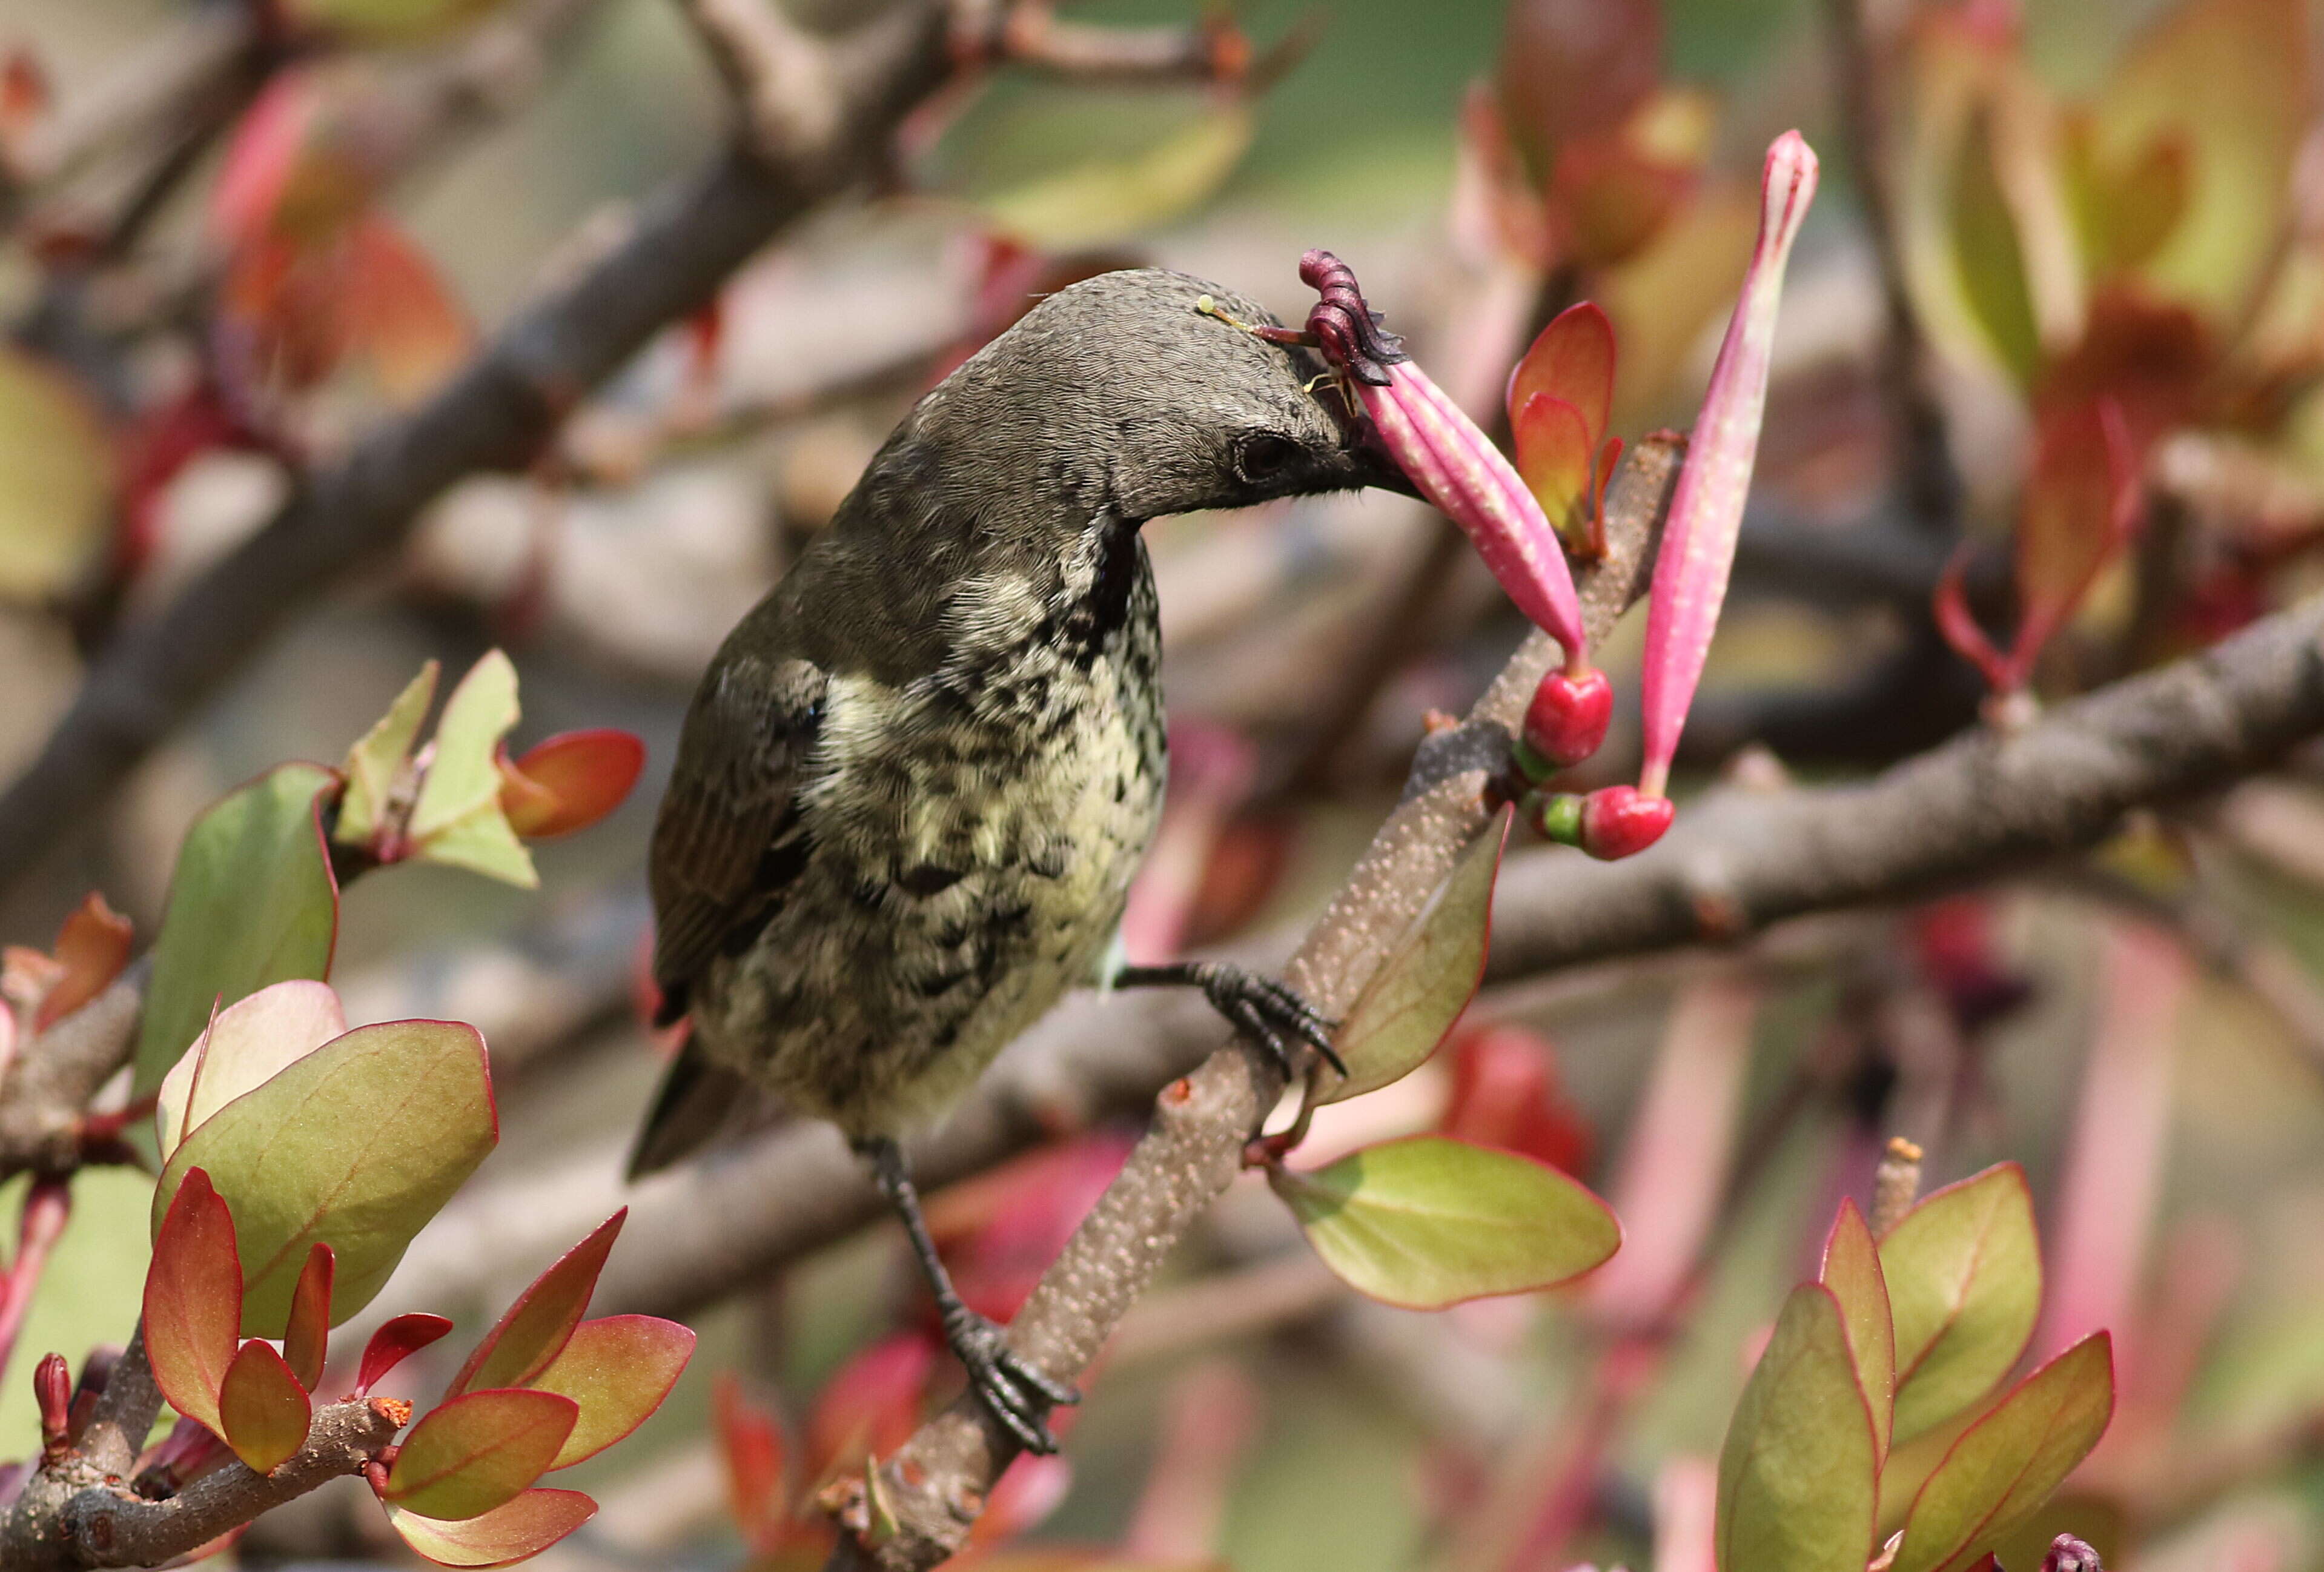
1272	1012
1019	1396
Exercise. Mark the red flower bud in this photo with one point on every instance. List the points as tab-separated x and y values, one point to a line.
52	1389
1620	820
1565	723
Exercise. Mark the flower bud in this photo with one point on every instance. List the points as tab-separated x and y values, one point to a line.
1565	723
1609	823
52	1390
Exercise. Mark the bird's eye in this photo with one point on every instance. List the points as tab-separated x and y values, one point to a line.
1265	454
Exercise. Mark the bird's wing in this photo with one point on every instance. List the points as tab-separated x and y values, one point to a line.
728	840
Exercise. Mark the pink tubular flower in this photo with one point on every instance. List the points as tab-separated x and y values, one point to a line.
1452	463
1705	514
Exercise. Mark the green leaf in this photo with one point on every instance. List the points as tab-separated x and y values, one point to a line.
374	763
1990	254
262	1411
457	818
1797	1481
1964	1276
1412	1001
524	1527
1852	1270
386	21
1428	1221
356	1145
307	1338
1107	199
2003	1468
249	1042
478	1451
251	902
618	1369
532	1331
193	1300
55	452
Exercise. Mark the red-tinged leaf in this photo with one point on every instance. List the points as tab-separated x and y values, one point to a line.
1964	1275
872	1405
533	1331
617	1371
306	1339
1852	1270
1611	200
1032	1488
1505	1093
285	175
400	312
2081	509
2003	1468
1554	455
570	782
1797	1485
263	1408
750	1444
1959	625
1571	360
508	1534
1572	68
470	1455
193	1300
396	1340
92	945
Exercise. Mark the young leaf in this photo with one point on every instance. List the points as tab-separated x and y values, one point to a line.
357	1145
508	1534
617	1370
306	1340
569	781
193	1300
251	902
1573	360
2004	1468
871	1404
1797	1483
247	1044
374	763
751	1445
457	818
1554	457
1852	1270
397	1340
263	1408
478	1450
1427	1221
92	946
1412	1001
53	449
533	1329
1964	1276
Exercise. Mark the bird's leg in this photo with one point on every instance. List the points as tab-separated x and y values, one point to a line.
1018	1395
1266	1009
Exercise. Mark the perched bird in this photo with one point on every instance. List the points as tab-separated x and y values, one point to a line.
915	780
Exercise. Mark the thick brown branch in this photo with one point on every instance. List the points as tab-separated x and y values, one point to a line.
45	1093
935	1486
1738	859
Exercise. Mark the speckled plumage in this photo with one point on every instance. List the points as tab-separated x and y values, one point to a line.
917	779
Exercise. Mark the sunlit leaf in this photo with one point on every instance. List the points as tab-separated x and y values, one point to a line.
2081	511
523	1527
400	316
570	781
752	1447
53	451
193	1300
374	763
1555	457
872	1403
2124	212
2004	1468
306	1340
1797	1481
92	946
1572	359
251	902
1990	254
251	1040
1852	1270
1964	1276
532	1330
617	1370
357	1145
397	1340
457	818
1426	981
1427	1221
1108	200
262	1409
478	1451
2228	79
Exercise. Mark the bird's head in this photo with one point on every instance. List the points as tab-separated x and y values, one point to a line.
1122	395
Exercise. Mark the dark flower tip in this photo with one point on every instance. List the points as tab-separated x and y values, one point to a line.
1347	330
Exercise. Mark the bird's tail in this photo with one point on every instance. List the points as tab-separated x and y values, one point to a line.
700	1102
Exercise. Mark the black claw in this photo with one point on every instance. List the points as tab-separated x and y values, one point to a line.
1261	1007
1018	1395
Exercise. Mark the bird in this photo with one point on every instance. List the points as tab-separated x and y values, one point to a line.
915	782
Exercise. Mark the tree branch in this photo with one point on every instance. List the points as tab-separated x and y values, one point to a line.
44	1094
935	1486
1737	860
